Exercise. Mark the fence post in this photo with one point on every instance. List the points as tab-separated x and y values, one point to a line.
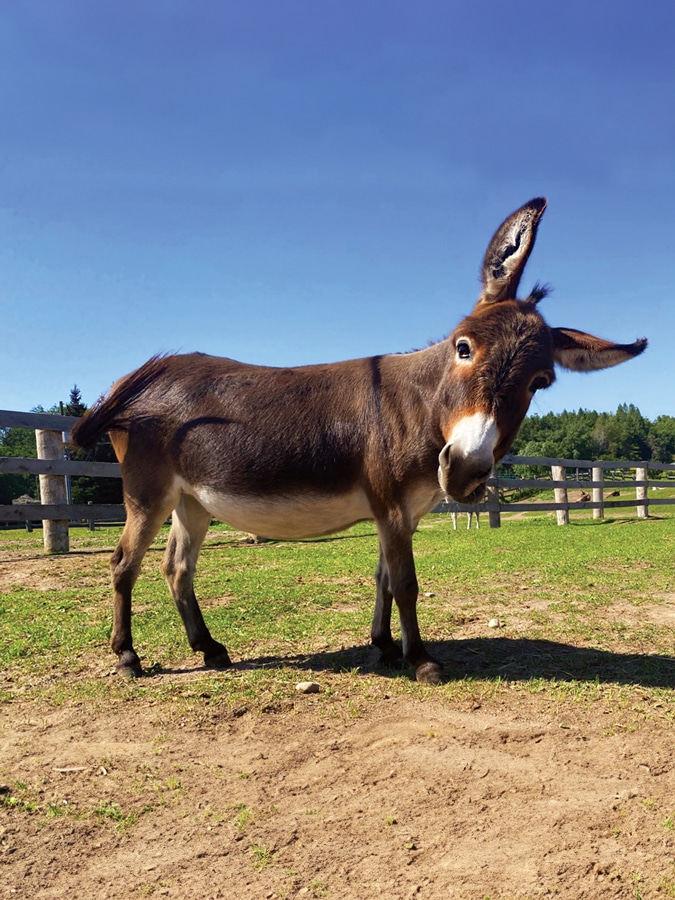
560	494
493	500
52	491
598	492
642	493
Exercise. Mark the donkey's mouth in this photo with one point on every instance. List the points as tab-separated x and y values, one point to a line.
473	496
476	495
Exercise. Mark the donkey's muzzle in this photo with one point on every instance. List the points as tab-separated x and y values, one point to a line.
463	478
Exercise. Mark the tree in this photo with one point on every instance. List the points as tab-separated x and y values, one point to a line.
75	406
83	488
18	442
661	439
625	434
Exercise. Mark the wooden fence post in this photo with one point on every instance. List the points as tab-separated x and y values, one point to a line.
642	493
598	493
560	494
493	500
52	491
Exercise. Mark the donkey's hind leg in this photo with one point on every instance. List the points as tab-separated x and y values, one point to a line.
190	522
142	524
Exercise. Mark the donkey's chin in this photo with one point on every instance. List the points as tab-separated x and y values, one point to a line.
460	495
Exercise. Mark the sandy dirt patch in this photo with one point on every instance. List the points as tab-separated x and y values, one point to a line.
407	799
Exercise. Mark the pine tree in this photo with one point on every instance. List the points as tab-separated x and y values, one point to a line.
75	406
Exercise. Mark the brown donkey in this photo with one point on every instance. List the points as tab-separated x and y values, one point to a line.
302	452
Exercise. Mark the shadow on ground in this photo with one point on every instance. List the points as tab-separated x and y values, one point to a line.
513	659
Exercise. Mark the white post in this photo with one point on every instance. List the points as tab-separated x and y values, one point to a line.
52	491
560	494
641	493
598	492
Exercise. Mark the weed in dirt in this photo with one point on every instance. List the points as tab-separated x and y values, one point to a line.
638	884
19	801
113	812
262	857
243	817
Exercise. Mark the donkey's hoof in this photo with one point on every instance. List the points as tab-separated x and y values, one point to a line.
393	659
217	658
129	665
429	673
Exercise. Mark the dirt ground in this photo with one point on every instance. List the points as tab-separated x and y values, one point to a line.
404	794
410	799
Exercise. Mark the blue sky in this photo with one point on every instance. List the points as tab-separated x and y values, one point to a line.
297	181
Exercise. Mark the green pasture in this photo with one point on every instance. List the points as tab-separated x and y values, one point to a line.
584	612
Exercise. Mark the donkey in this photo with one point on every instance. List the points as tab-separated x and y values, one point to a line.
301	452
453	516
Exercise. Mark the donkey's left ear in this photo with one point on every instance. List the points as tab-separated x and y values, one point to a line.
582	352
508	251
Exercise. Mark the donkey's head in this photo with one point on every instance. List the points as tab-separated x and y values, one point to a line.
502	354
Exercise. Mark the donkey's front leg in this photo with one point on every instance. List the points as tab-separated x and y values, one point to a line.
380	633
396	544
190	522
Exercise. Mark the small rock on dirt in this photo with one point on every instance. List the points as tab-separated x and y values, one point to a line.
308	687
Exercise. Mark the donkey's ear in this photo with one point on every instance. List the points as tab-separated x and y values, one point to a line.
583	353
508	252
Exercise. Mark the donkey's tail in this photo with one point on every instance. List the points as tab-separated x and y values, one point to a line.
114	412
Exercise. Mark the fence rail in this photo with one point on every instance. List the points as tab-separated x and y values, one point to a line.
68	512
55	469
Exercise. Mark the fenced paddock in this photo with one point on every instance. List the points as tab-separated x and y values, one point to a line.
594	477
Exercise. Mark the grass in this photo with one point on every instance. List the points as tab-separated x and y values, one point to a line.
262	857
581	609
24	798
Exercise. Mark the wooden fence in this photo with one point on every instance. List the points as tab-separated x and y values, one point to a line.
594	487
57	512
54	470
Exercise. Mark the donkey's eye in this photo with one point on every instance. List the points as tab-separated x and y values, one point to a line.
463	349
539	383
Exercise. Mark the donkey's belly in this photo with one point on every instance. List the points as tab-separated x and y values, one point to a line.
298	516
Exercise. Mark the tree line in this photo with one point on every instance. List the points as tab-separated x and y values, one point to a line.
584	434
625	434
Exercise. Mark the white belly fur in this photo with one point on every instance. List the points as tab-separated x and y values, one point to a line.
287	518
300	516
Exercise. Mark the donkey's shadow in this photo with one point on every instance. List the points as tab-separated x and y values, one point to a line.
511	659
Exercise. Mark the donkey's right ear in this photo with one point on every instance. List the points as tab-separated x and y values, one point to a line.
508	252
